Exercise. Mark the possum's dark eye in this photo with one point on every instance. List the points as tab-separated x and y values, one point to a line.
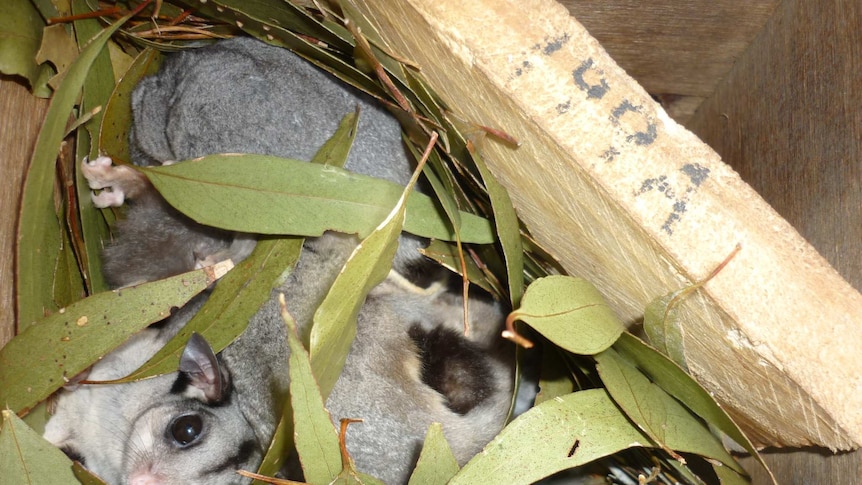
186	429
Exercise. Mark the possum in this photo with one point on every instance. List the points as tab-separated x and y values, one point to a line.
410	364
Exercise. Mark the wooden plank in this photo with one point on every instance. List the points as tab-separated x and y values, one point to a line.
625	197
788	118
679	47
19	124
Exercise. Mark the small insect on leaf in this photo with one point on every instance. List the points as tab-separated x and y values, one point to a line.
562	433
569	312
661	317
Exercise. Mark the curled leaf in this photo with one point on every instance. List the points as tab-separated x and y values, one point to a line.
569	312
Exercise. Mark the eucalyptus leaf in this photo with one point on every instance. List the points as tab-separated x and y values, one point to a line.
314	434
508	228
446	254
437	464
661	317
728	476
556	378
562	433
26	458
675	381
58	48
20	39
72	339
662	327
336	149
657	413
236	298
97	90
270	195
117	116
84	476
569	312
281	446
39	239
334	321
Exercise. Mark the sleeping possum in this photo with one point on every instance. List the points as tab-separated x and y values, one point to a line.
410	364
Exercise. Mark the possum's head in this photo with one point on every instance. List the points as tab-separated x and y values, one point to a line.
177	428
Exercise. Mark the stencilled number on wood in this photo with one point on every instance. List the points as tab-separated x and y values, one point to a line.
631	126
678	190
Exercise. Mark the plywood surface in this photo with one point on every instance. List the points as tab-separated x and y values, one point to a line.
625	197
676	49
20	118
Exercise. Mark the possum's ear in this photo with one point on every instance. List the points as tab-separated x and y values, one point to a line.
150	108
201	375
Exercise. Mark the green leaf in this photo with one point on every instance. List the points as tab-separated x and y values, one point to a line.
314	434
336	149
728	476
270	195
39	240
657	413
26	458
117	115
508	228
236	298
556	378
675	381
72	339
20	39
569	312
662	326
281	446
661	317
334	322
446	254
562	433
437	464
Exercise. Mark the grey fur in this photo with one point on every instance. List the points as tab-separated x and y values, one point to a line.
265	96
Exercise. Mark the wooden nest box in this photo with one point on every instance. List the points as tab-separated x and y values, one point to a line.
612	183
613	186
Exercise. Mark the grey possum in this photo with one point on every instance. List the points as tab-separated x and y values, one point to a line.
218	413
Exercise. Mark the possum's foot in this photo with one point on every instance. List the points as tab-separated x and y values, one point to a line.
115	183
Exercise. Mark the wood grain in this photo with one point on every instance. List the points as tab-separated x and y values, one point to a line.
788	118
627	198
674	47
19	124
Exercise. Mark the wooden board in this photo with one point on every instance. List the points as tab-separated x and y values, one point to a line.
788	117
19	124
625	197
678	50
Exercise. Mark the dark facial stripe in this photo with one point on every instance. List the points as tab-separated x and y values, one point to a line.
243	454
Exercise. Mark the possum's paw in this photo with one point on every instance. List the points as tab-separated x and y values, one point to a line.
116	183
